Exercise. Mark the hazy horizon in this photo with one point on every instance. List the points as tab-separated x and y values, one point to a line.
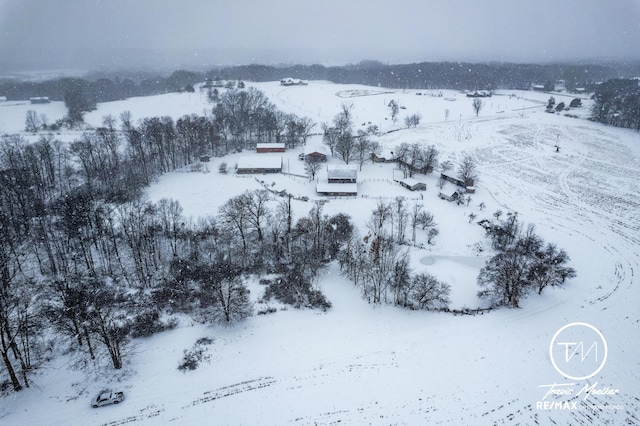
115	34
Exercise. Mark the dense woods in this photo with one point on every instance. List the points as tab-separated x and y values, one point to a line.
617	103
87	261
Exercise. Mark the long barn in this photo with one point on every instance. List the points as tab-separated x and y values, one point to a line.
259	165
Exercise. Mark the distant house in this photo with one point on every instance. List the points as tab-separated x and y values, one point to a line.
479	94
259	164
270	147
40	100
413	184
3	99
538	87
344	173
293	82
315	152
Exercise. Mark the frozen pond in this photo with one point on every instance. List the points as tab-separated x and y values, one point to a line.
461	273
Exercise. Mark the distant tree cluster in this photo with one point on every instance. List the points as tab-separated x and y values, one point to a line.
243	117
524	263
416	158
617	103
344	143
378	264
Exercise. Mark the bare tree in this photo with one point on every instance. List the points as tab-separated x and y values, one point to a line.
364	148
32	122
330	137
312	168
477	105
413	220
430	158
395	108
467	170
429	293
412	120
504	278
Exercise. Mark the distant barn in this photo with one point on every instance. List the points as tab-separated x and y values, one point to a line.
40	100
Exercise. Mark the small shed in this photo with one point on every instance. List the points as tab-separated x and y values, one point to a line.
270	147
266	164
315	152
344	173
450	194
413	184
3	99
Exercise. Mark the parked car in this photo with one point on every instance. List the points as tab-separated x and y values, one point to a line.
107	398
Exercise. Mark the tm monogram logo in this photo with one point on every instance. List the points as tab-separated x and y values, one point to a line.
578	351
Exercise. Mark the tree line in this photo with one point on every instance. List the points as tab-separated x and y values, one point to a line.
424	75
617	103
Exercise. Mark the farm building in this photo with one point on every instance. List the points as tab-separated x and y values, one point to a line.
315	152
39	100
260	164
327	188
413	184
450	194
270	147
343	173
456	181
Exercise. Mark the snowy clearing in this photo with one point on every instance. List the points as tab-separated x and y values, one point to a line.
363	364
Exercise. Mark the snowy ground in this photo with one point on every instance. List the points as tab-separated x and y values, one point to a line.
364	364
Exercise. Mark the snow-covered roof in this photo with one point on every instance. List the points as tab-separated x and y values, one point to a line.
311	148
260	162
275	145
342	171
411	182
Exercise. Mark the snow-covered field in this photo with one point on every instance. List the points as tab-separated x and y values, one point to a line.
380	365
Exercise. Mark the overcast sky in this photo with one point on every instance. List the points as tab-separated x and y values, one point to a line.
95	33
